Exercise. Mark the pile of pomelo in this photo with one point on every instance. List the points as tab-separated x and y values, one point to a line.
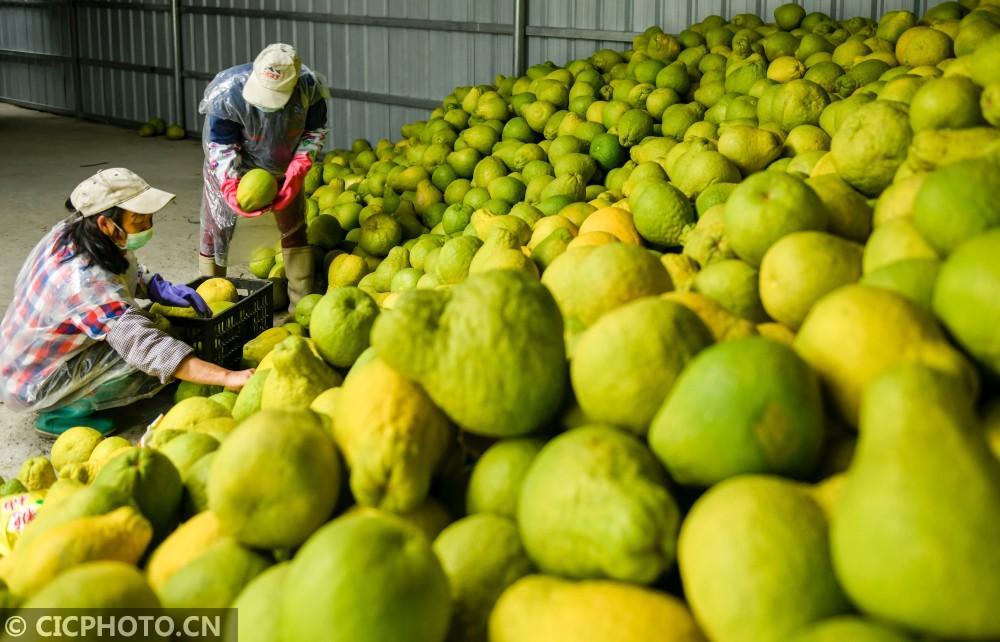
695	341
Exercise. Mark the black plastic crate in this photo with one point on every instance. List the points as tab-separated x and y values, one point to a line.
220	339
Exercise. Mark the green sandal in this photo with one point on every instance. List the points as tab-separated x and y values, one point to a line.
53	423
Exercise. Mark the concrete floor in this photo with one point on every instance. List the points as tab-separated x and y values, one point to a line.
42	158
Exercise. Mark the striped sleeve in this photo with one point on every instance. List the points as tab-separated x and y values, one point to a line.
142	345
95	322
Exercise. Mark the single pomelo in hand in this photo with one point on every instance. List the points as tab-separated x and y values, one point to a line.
256	190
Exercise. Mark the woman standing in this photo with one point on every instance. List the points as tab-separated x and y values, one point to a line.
269	115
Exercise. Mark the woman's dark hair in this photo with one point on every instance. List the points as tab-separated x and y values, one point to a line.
93	244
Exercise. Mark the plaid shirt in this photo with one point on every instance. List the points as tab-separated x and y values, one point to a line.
62	305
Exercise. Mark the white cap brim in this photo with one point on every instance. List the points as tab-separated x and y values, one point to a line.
149	201
256	94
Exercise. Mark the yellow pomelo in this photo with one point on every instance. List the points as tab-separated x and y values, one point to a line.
856	332
614	221
543	608
803	267
895	240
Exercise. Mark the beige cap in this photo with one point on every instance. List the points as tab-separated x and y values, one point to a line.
118	187
274	77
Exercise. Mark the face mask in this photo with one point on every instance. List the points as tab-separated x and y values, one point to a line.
134	241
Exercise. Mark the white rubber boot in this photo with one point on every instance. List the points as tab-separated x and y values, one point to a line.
208	267
299	270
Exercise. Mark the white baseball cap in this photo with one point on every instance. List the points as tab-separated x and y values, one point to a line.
118	187
274	77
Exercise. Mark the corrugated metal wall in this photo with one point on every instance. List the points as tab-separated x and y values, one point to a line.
125	59
36	68
387	61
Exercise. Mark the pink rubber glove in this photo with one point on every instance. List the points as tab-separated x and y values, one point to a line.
295	175
228	189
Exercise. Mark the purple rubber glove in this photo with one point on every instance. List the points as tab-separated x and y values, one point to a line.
166	293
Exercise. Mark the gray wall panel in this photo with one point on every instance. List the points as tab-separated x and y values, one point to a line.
352	119
193	90
43	84
124	95
896	5
35	28
563	50
745	6
128	36
699	10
